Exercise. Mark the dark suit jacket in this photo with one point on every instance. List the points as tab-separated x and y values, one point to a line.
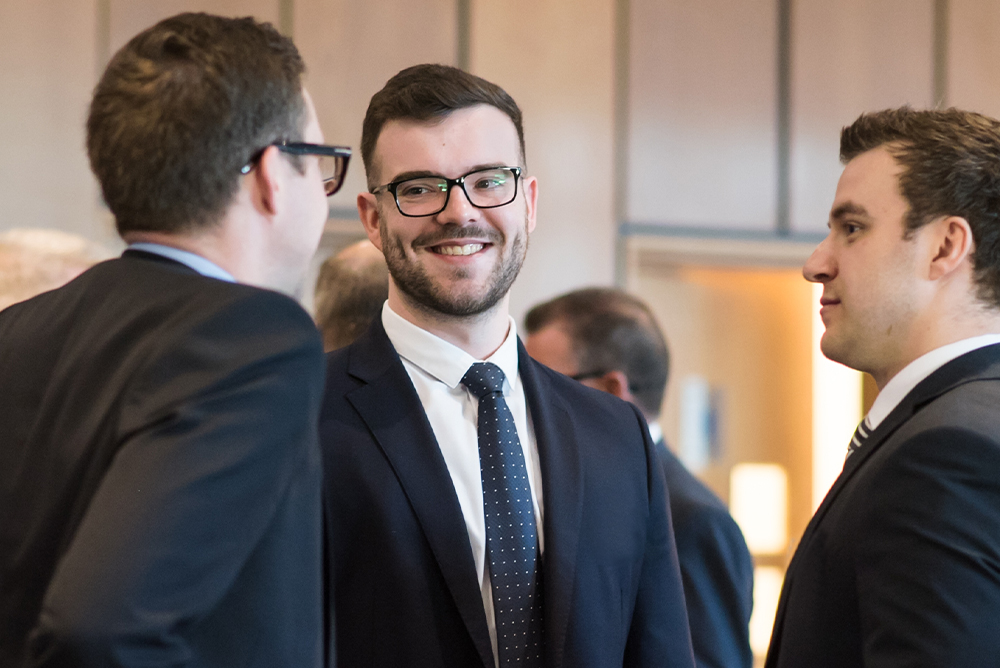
716	567
405	585
900	566
159	473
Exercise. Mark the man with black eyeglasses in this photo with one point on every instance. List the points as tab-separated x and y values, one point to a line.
159	466
482	509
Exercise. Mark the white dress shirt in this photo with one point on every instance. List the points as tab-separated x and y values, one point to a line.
914	372
436	368
196	262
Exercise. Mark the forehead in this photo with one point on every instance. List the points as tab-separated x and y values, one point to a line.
871	181
450	146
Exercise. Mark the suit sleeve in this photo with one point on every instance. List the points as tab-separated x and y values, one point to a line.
929	562
659	634
217	431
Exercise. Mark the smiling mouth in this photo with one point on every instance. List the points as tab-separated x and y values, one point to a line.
450	249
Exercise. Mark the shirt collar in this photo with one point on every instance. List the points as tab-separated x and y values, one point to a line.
196	262
440	359
655	431
914	372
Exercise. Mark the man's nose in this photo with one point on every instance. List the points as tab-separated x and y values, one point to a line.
820	266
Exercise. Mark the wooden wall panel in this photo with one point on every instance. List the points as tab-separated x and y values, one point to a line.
974	55
129	17
47	70
703	149
849	56
351	49
555	58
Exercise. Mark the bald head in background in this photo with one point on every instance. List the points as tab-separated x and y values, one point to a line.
351	288
33	261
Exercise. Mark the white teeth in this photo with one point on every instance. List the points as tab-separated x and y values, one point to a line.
467	249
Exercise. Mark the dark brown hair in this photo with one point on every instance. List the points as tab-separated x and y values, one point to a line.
611	330
951	167
181	108
430	92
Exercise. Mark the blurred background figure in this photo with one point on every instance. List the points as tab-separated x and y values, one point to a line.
351	288
33	261
609	340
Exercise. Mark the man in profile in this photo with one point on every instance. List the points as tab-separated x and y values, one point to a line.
351	288
483	510
900	566
159	471
609	340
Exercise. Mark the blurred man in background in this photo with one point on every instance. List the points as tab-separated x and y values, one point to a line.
159	470
351	288
609	340
33	261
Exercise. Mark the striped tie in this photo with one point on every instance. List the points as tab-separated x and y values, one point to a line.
860	435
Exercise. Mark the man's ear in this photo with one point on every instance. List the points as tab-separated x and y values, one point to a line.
368	212
951	245
616	383
530	187
268	180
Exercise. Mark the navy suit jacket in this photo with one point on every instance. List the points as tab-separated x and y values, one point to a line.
716	567
900	566
159	474
405	589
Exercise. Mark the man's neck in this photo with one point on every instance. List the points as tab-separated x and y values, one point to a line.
480	335
938	333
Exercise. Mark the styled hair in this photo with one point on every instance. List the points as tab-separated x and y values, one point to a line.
181	109
611	330
350	291
950	167
427	93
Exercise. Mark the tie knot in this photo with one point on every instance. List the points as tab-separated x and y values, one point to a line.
483	378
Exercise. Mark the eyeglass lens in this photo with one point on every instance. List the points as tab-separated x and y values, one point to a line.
427	195
331	168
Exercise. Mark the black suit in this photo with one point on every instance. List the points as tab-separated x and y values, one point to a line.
406	591
716	567
159	473
900	566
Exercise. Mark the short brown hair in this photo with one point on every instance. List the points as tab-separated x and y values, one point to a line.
611	330
429	92
181	108
951	167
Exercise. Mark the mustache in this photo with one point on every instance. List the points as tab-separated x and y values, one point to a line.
450	232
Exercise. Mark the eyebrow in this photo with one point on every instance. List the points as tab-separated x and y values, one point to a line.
848	209
419	174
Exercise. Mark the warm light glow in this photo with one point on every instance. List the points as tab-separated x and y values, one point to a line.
836	410
766	591
758	501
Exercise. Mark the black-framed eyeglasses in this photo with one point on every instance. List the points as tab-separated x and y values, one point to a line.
428	195
332	161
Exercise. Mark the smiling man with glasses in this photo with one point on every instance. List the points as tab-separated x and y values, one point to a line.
483	510
159	467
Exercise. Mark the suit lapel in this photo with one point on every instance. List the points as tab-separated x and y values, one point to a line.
978	364
389	405
562	493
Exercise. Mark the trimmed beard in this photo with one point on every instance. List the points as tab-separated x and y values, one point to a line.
413	281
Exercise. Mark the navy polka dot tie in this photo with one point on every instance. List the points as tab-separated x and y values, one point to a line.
511	538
